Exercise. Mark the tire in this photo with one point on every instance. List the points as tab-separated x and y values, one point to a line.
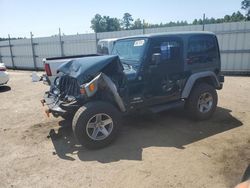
68	116
86	118
196	105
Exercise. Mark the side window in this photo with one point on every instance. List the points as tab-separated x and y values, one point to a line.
102	48
169	49
202	49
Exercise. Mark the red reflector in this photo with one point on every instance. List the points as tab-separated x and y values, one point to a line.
47	69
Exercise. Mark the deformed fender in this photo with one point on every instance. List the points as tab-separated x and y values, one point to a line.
192	79
103	81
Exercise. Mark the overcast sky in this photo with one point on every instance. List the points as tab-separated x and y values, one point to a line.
44	17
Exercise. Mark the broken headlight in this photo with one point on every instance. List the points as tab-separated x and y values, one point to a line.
57	81
55	91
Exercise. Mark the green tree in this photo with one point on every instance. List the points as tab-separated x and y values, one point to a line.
212	20
126	21
97	24
195	22
245	4
138	24
200	22
237	16
227	18
113	24
104	24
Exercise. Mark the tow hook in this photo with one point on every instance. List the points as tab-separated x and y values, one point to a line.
48	111
43	101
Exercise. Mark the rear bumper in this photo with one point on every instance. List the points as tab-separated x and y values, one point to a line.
4	77
221	81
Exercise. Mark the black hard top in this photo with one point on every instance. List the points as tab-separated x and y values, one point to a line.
165	34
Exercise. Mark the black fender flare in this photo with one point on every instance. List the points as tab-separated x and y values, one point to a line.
194	77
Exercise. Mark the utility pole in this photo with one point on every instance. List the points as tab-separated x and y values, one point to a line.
33	50
96	41
61	42
11	53
143	26
203	22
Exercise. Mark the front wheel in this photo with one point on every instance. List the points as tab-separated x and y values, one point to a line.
202	101
96	124
67	117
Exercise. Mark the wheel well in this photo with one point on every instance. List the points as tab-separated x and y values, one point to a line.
106	95
207	77
209	80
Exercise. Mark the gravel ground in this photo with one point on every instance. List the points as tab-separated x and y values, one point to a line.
163	150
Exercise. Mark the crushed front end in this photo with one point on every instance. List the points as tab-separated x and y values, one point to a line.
82	81
64	96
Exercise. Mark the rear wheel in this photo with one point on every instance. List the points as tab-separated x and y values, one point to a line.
96	124
202	101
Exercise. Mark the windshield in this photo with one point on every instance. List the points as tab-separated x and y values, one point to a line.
130	49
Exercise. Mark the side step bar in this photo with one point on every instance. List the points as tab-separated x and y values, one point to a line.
167	106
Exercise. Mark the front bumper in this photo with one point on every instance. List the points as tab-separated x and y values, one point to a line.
53	105
57	107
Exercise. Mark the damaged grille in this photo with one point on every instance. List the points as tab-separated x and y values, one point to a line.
69	86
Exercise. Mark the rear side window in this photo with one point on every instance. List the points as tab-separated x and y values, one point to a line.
102	48
169	48
202	49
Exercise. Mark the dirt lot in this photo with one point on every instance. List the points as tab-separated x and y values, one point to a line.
164	150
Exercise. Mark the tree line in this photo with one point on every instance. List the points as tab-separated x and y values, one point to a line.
106	23
12	38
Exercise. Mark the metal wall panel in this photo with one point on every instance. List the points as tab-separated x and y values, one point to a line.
24	62
47	47
246	62
5	51
44	50
247	41
79	44
39	62
22	50
80	47
7	61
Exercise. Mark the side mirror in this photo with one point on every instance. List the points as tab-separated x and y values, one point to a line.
156	59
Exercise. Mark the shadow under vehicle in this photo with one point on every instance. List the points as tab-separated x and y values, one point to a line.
165	129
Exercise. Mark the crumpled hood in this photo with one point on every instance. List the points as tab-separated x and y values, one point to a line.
86	68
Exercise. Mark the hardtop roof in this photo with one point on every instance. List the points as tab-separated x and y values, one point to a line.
179	33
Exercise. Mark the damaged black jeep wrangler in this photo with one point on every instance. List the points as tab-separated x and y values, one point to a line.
149	72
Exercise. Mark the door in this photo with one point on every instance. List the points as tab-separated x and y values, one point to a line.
164	80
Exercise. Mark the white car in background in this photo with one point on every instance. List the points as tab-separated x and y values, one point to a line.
4	76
